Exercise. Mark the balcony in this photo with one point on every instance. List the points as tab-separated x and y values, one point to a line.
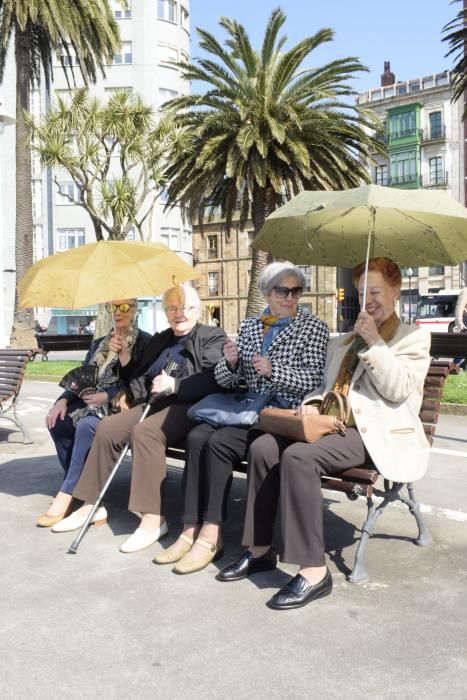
412	179
405	134
439	180
438	134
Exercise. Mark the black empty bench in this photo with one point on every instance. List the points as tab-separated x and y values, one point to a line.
12	370
77	341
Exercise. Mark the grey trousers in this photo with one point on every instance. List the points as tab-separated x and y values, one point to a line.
149	441
291	472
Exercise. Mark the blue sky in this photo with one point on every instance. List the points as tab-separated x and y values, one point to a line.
405	32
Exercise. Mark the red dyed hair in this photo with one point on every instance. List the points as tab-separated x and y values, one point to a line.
389	270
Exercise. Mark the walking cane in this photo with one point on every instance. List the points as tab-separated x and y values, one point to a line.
73	548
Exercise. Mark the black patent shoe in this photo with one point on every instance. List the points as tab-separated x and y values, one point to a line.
298	592
248	565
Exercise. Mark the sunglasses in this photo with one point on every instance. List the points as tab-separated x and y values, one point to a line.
112	308
182	309
283	292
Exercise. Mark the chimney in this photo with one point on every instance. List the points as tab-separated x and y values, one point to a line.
387	77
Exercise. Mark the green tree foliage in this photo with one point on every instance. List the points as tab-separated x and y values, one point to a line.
114	154
455	34
40	29
266	128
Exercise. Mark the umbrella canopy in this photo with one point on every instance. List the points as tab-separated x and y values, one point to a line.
100	272
424	227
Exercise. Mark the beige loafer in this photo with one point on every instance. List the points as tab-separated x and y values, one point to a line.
173	553
76	520
190	566
45	520
141	539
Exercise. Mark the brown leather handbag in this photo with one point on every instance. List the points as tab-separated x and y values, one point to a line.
307	427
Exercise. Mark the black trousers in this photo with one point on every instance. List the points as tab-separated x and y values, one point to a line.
291	472
212	455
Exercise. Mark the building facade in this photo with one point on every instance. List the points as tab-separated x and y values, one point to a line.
424	137
223	262
155	34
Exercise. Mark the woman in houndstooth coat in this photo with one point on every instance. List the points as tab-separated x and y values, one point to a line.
281	354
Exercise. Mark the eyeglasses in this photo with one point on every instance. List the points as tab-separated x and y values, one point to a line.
183	309
112	308
283	292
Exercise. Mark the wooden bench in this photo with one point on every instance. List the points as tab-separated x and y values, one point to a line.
362	481
12	370
77	341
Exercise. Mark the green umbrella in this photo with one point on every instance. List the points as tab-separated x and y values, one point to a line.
424	227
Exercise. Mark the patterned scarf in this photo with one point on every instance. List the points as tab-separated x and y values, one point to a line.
387	331
272	326
107	362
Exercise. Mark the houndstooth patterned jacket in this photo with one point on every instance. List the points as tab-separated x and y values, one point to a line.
297	356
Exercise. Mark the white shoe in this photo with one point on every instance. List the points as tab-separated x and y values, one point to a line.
76	520
141	539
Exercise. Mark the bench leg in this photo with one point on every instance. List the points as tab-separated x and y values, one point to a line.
424	537
359	573
19	424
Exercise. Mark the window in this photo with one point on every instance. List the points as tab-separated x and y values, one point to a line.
70	238
36	199
401	89
171	238
438	270
167	9
428	83
436	170
167	54
213	284
436	126
212	247
184	19
251	238
402	124
306	269
414	87
403	167
35	103
186	240
119	11
67	190
37	241
165	94
125	55
381	174
36	163
131	235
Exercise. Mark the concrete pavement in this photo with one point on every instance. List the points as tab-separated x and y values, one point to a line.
103	624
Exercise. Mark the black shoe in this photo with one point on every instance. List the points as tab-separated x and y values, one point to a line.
299	592
248	565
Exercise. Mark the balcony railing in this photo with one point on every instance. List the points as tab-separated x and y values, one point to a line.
404	134
436	134
439	180
405	180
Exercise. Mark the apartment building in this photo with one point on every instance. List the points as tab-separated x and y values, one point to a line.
424	136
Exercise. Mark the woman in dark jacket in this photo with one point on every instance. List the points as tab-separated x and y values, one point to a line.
72	421
177	368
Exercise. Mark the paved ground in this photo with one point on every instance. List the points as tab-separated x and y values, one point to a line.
102	624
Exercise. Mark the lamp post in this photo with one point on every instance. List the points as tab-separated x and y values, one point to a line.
409	273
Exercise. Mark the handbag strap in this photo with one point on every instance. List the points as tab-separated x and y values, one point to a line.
335	397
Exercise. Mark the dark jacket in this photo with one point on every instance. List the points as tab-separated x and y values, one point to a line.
202	351
142	340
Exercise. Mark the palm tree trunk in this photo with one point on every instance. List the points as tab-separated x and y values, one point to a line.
263	205
23	323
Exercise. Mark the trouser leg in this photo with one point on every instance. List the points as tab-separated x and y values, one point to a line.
84	435
263	488
301	467
112	434
63	435
149	442
193	482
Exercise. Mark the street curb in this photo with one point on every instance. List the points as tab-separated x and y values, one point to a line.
454	409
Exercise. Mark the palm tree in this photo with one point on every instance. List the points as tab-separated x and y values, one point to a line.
455	33
85	29
265	129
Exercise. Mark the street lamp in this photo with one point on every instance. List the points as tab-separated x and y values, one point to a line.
409	273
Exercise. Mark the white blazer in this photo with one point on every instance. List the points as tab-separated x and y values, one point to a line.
385	395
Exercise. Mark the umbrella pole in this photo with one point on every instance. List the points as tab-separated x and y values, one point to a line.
371	231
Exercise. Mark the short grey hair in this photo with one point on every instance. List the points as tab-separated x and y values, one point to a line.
272	274
186	295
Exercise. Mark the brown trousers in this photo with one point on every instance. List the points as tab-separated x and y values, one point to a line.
149	441
292	471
